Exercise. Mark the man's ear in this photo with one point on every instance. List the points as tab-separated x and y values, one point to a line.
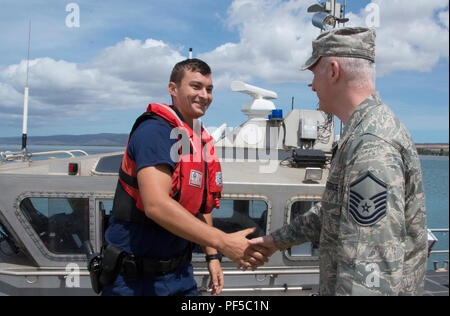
335	71
172	89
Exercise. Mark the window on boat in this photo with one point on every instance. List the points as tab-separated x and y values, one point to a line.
308	249
235	215
105	208
7	244
61	223
109	164
3	234
232	216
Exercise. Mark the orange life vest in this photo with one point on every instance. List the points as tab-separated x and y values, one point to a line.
197	176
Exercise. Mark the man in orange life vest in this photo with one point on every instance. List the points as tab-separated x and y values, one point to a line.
169	182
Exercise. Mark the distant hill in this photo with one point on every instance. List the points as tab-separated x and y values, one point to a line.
434	149
109	139
104	139
433	146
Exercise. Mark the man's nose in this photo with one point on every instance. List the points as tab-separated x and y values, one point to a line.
203	93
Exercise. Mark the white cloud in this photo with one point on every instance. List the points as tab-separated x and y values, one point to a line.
126	75
443	17
10	98
409	37
133	60
275	39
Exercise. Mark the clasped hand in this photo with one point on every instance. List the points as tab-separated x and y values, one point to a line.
257	253
250	253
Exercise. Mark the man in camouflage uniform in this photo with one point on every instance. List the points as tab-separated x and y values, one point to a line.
371	222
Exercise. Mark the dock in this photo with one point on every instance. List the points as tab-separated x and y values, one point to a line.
436	283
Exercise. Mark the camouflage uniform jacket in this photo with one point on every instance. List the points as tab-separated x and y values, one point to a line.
371	222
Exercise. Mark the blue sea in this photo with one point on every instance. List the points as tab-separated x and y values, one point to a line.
435	181
435	178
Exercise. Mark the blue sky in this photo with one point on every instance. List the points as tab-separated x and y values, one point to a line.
100	76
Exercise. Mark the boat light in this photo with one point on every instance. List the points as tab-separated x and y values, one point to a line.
276	115
73	169
324	21
313	174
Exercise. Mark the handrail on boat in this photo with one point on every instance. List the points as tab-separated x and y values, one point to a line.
438	230
25	156
58	152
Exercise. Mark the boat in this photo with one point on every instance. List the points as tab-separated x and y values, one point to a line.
274	168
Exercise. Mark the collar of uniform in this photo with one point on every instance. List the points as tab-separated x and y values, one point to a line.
358	115
173	107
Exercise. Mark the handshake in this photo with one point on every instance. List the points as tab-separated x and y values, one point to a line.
248	253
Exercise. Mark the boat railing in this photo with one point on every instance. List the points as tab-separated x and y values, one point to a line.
26	156
434	240
438	230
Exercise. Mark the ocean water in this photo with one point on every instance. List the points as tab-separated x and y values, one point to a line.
41	148
436	184
435	172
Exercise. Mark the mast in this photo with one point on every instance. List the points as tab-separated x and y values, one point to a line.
25	97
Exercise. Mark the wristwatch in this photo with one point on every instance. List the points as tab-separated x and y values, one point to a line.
217	256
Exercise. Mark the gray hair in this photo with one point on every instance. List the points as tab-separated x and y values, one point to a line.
359	72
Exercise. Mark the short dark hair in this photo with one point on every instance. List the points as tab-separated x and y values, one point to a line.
194	65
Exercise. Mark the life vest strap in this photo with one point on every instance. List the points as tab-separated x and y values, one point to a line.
121	208
130	180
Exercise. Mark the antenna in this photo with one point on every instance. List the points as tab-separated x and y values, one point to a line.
25	97
343	12
28	52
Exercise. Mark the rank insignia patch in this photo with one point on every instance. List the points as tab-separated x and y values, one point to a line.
367	202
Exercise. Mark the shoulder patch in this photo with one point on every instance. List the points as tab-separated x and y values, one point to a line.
367	199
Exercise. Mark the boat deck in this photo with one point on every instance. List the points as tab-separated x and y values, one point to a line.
436	283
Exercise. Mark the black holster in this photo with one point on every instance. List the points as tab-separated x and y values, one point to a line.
111	264
105	267
94	266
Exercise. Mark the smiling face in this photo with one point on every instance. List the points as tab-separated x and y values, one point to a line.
193	95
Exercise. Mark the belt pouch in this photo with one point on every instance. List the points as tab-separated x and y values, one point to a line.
112	260
131	267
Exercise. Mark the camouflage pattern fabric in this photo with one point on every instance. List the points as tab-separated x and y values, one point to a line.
356	42
371	222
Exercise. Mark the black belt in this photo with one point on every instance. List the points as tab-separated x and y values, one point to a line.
135	267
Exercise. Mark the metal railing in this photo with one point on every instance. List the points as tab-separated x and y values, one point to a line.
439	230
26	156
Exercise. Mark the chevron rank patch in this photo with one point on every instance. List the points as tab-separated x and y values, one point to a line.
367	202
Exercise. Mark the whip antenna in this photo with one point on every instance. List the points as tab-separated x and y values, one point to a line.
25	97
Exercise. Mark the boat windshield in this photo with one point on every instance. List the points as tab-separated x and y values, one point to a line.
109	164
